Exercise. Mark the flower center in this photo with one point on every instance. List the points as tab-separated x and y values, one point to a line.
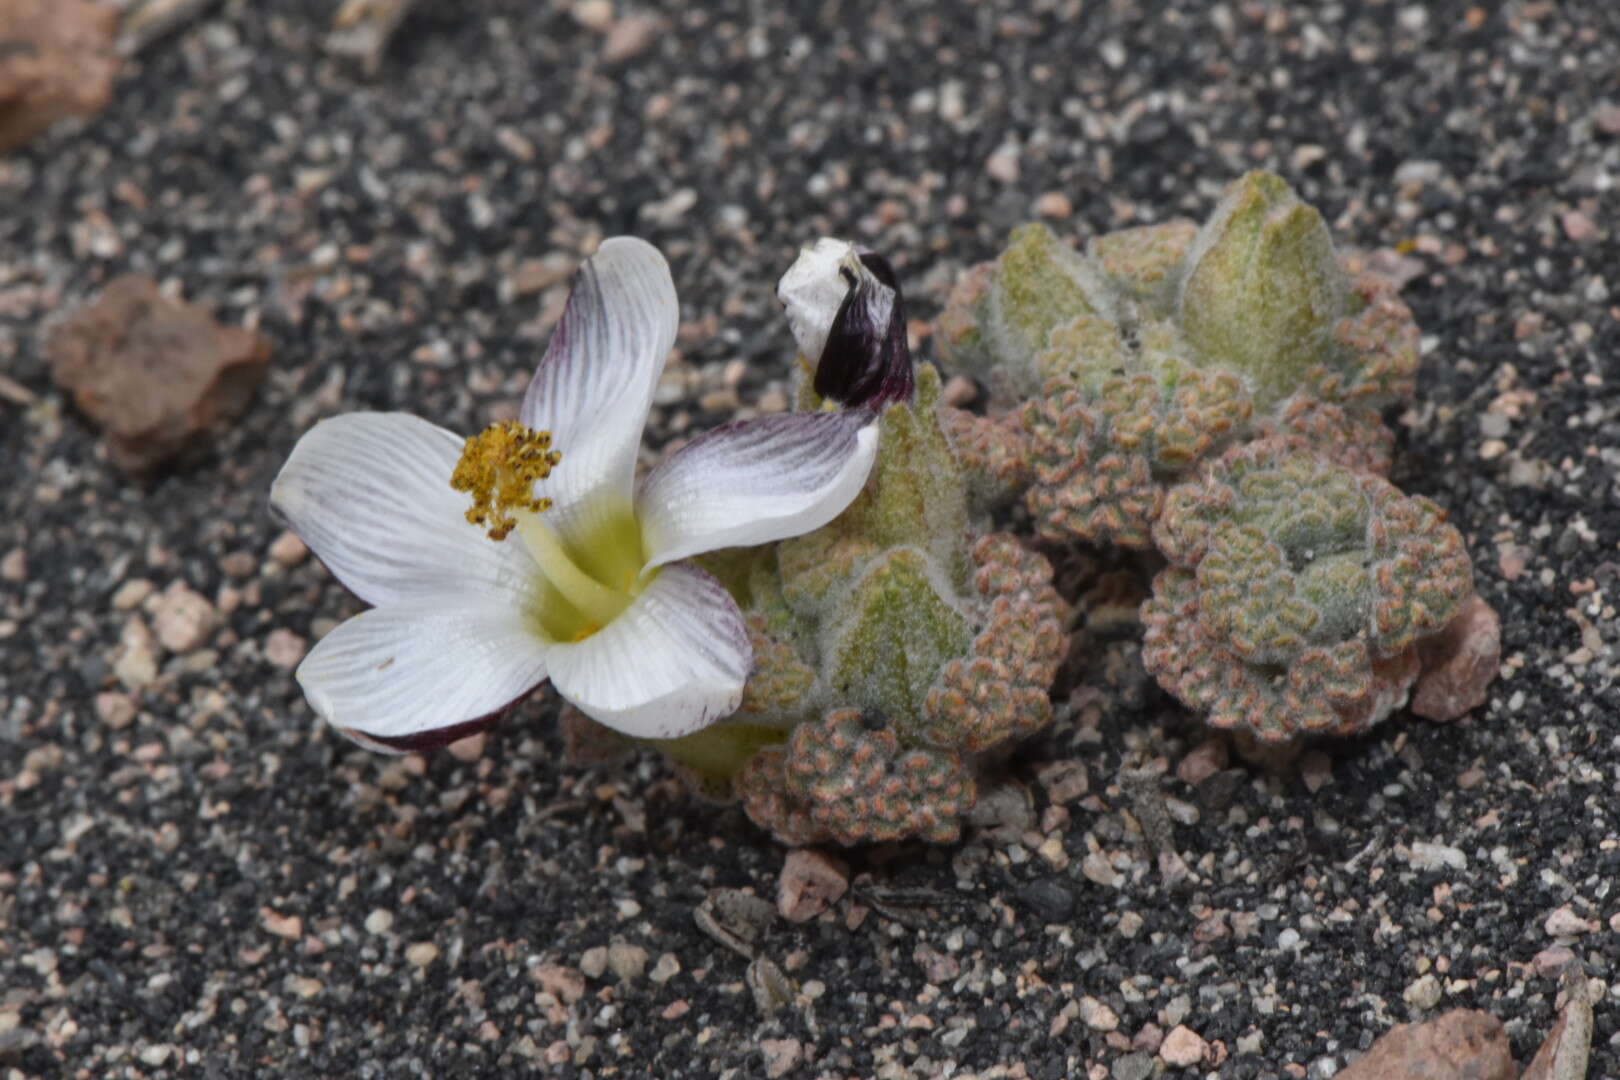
498	468
589	582
591	603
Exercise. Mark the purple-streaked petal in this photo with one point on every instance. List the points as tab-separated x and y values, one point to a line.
398	674
370	494
595	384
428	741
755	481
673	662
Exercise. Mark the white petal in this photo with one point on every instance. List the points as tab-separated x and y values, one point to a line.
812	290
595	384
675	661
755	481
395	672
370	494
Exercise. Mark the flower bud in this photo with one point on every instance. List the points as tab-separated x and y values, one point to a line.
1263	289
847	314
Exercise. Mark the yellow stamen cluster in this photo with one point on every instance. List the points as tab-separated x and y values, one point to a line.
498	468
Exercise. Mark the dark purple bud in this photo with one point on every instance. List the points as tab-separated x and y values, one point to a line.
866	362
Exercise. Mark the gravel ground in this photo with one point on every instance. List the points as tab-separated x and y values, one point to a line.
197	880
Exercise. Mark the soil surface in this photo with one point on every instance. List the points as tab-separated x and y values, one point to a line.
198	879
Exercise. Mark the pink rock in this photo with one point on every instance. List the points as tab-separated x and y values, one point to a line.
782	1056
1459	663
284	648
631	36
115	710
183	618
1464	1044
469	749
1183	1047
1565	923
1550	963
1207	759
565	983
1579	227
810	882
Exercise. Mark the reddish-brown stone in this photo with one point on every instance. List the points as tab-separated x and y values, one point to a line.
157	375
57	59
1464	1044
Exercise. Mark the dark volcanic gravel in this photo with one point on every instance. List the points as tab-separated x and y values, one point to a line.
198	880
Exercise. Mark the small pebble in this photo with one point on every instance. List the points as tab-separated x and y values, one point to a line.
781	1056
468	749
1054	204
1579	227
594	15
627	961
135	660
631	36
772	401
239	565
1097	1016
132	594
1049	898
284	649
114	709
290	927
1207	759
959	391
380	921
304	986
1136	1066
593	962
422	954
1183	1048
1098	869
1565	923
564	983
288	550
1422	993
183	618
810	882
1550	963
1427	856
1002	165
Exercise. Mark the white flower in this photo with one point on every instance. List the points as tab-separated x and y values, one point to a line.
591	591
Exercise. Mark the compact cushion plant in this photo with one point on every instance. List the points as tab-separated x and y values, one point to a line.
844	617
